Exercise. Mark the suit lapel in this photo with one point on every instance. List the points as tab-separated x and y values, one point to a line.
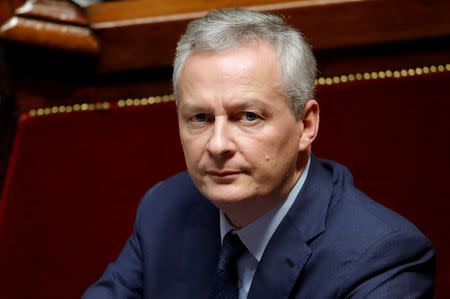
287	251
201	245
279	268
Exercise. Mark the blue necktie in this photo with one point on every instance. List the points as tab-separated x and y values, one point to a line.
227	281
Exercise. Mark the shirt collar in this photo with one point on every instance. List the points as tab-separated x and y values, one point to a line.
256	235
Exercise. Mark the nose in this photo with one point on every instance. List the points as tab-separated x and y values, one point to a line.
221	143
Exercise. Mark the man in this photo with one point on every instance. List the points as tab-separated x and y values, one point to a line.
257	215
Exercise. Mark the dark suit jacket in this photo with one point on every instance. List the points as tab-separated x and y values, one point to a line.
334	242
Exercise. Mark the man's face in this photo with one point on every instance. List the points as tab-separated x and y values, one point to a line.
240	140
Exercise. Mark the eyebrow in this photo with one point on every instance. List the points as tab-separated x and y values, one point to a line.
247	103
234	104
190	107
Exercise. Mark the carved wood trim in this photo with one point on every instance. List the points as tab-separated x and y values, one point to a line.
52	10
142	34
51	35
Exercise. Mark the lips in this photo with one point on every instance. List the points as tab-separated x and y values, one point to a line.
222	173
223	176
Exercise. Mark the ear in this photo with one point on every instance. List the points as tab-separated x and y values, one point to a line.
310	122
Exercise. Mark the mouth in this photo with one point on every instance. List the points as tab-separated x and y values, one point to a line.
222	173
223	176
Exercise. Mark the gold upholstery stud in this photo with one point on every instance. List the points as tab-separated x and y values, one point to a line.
336	79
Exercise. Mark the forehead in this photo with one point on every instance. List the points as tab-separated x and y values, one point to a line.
253	50
253	68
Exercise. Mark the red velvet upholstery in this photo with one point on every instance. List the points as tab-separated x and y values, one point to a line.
75	179
73	187
393	135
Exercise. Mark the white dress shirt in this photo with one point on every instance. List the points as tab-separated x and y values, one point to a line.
256	235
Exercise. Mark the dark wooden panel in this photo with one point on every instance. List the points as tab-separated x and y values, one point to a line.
140	35
126	11
17	3
6	11
44	78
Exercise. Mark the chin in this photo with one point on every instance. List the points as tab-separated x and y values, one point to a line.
229	197
221	197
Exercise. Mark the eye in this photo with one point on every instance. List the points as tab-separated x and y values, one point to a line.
250	116
201	117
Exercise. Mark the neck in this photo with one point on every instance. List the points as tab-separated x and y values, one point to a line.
242	213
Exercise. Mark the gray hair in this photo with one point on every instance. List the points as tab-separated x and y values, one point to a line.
223	29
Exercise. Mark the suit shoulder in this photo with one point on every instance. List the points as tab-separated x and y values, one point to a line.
379	243
172	195
350	207
364	242
358	210
176	186
355	221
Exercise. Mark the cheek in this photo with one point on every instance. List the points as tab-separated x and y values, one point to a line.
261	153
193	149
278	151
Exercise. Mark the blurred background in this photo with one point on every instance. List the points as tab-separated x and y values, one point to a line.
88	122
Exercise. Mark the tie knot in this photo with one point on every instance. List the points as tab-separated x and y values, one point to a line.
232	249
